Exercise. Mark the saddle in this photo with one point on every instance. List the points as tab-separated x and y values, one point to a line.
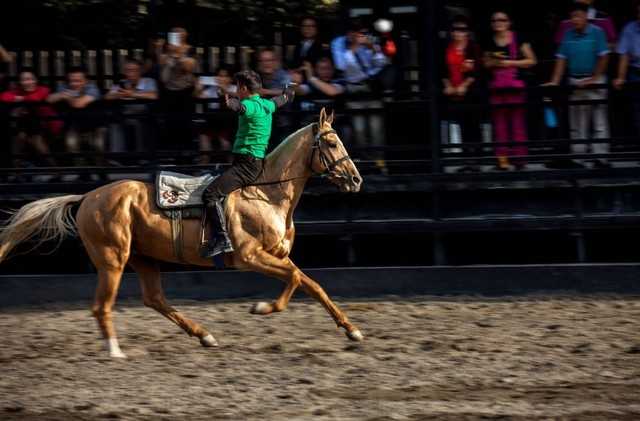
179	196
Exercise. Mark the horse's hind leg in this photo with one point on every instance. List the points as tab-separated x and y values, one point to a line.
153	296
108	282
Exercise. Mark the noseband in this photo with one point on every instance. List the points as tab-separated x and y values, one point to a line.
329	166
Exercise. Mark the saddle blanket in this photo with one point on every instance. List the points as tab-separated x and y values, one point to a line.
175	190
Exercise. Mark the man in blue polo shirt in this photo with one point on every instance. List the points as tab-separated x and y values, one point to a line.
584	56
629	63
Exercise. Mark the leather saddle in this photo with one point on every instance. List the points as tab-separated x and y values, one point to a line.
179	196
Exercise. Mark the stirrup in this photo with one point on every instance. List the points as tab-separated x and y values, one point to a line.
217	246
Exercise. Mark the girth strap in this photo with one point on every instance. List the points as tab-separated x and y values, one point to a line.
177	237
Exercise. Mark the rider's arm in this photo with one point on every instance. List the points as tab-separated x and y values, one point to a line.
287	96
235	105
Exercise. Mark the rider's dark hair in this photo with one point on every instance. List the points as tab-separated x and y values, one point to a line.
250	79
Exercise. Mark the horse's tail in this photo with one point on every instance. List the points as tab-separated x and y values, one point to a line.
45	220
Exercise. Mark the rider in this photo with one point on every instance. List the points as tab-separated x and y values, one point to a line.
249	149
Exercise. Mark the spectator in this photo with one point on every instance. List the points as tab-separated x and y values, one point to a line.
274	81
152	56
179	81
274	77
584	53
362	62
629	63
462	59
365	69
31	123
136	116
507	54
5	59
596	17
309	48
321	88
215	131
83	127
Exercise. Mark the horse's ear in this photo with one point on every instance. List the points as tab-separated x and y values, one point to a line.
323	116
331	117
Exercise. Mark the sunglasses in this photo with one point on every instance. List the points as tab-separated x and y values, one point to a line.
499	20
460	29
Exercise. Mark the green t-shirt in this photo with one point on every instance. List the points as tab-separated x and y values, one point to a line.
254	126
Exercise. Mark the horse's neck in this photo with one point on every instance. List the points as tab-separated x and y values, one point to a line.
290	161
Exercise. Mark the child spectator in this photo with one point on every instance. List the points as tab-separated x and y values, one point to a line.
584	55
507	53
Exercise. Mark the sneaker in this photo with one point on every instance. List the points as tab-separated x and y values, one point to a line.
213	248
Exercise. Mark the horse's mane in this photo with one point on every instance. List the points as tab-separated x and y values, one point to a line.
285	143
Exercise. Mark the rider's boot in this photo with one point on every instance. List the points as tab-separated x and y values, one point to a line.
219	240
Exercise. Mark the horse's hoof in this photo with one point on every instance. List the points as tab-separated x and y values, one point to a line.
208	341
117	354
355	335
261	308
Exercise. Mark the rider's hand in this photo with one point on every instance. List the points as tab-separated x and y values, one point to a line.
290	92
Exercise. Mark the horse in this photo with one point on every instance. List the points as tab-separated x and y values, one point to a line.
120	224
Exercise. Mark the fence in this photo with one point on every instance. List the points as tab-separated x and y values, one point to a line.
105	65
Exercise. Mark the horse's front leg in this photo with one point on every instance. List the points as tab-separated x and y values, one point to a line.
257	260
313	289
284	269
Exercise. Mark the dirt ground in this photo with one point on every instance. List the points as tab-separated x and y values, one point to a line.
534	357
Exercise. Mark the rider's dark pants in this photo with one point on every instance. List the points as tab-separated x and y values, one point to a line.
244	171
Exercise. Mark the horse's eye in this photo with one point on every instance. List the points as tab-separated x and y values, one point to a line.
333	145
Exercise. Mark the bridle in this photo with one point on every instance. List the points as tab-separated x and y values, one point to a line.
329	166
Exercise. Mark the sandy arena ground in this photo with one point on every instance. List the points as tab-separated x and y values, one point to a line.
535	357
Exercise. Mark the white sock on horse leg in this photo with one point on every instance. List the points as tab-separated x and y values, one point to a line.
114	348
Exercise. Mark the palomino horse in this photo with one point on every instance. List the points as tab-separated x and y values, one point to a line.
120	224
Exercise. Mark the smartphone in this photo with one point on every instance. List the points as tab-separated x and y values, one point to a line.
174	38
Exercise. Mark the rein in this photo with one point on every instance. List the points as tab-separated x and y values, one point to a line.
329	166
